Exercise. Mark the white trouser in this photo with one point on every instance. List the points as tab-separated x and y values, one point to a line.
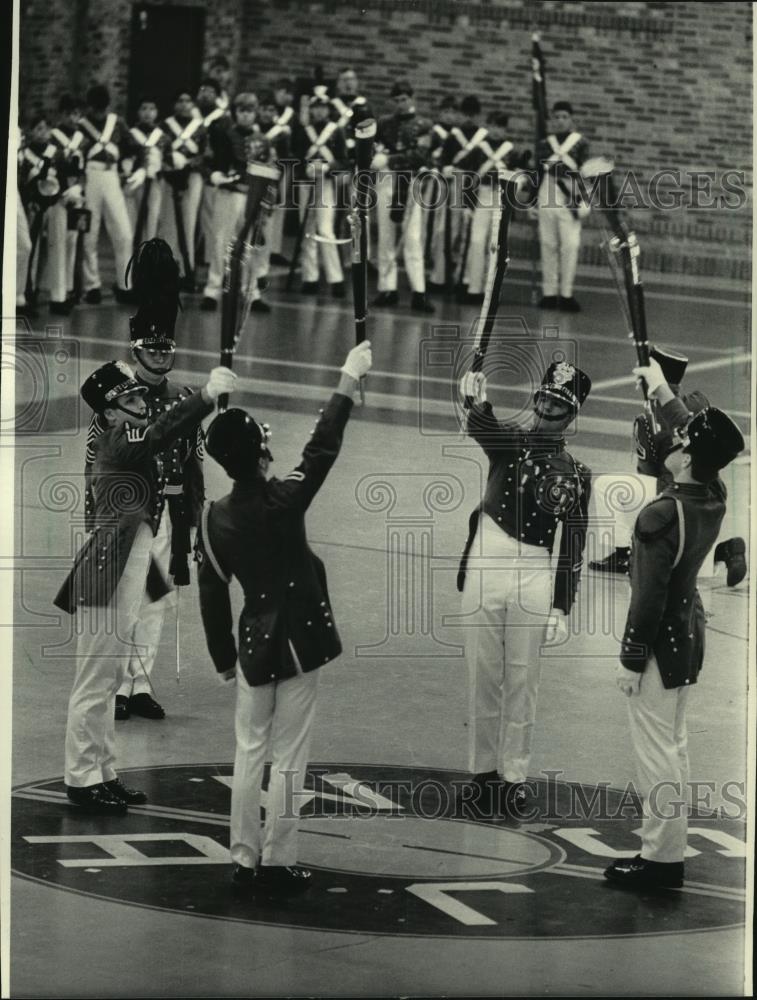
618	498
322	198
23	252
481	235
106	201
441	217
278	716
412	236
61	253
102	655
147	629
560	239
152	216
189	206
228	219
658	732
507	596
207	212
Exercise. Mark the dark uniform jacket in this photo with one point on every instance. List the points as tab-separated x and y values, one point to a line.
118	145
319	141
672	537
189	138
257	534
230	153
533	484
128	490
71	143
40	163
348	112
398	136
561	169
651	448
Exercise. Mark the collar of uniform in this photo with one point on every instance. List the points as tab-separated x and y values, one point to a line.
154	388
246	487
687	489
540	446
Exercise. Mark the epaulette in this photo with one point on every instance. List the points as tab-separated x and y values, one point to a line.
134	435
663	520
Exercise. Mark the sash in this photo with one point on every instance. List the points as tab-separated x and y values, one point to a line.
318	142
441	131
560	152
468	145
213	116
283	118
494	158
38	162
208	548
183	136
146	140
277	129
69	144
102	140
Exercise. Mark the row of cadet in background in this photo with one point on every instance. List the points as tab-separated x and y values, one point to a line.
182	177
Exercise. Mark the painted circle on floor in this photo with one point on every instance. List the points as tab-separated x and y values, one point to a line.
394	850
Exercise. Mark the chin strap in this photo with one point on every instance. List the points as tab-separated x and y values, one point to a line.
130	413
138	351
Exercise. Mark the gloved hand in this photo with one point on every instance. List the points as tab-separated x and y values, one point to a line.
358	362
218	178
127	165
556	630
179	160
379	161
73	195
532	213
136	179
220	381
228	678
448	170
652	375
474	384
627	680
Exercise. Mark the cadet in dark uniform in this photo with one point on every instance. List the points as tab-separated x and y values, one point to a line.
286	629
403	144
150	143
447	118
561	211
513	599
663	642
61	241
114	574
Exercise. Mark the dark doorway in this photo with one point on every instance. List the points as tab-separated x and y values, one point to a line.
166	53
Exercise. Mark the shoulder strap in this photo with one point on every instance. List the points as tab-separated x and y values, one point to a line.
681	531
208	547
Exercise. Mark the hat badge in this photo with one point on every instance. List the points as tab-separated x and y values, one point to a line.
563	373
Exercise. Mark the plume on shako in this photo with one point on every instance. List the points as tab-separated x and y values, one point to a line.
154	276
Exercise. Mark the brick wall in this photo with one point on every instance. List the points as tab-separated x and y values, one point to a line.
654	84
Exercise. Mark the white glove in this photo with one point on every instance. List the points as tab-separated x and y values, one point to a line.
652	375
358	362
627	680
228	678
532	213
153	160
220	381
379	161
474	384
556	630
127	165
136	180
584	211
448	170
73	195
179	160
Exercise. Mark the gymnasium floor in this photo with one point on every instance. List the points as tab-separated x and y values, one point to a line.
407	899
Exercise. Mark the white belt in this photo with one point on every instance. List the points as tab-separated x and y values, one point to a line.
172	491
99	165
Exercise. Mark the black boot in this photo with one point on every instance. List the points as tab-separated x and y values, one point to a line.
548	302
208	304
386	299
281	880
338	290
146	706
96	800
120	791
617	562
122	712
259	306
419	303
61	308
478	798
636	873
733	554
568	305
309	288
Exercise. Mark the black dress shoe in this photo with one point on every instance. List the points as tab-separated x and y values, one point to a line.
309	288
93	297
208	304
187	284
278	880
27	310
146	706
131	796
280	260
243	878
432	288
733	554
636	873
259	306
96	800
511	799
548	302
386	299
419	303
124	296
61	308
121	713
568	305
479	797
338	291
618	561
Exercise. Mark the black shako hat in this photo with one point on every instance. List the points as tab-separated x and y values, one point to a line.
712	438
673	365
237	441
107	383
566	382
155	281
